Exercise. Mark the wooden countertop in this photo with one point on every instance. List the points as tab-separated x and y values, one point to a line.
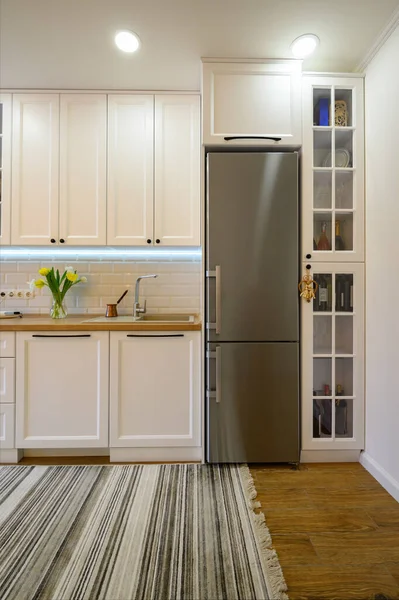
78	323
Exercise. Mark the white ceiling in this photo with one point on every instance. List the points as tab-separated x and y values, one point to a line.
69	43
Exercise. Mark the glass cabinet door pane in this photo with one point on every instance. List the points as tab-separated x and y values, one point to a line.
322	148
321	107
322	189
322	418
344	292
343	156
344	189
343	334
343	418
343	231
323	300
322	231
343	108
322	334
344	376
322	376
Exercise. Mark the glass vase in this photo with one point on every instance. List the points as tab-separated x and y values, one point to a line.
58	310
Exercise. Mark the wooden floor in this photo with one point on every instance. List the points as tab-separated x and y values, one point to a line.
335	529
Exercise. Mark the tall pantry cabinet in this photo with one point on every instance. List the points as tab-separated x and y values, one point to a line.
333	255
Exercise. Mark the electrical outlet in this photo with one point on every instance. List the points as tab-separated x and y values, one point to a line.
17	294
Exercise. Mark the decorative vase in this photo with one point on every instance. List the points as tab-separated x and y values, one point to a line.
58	310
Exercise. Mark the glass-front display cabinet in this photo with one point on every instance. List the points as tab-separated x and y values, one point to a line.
332	359
333	169
5	167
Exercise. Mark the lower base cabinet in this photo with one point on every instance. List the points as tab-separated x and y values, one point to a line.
62	383
155	389
7	421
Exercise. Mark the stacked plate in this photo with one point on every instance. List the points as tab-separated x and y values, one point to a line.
342	158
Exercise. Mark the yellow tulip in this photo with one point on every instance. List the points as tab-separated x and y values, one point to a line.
72	276
39	283
44	271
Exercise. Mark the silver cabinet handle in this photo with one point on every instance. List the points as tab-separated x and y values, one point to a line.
218	373
218	273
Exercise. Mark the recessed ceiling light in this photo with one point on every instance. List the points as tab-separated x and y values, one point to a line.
304	45
127	41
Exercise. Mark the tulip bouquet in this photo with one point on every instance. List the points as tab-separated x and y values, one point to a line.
58	285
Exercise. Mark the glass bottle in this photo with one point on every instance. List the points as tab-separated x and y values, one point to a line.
339	242
323	243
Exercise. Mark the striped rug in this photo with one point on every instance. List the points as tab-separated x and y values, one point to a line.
136	532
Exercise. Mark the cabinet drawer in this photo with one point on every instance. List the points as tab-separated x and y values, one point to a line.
7	426
7	344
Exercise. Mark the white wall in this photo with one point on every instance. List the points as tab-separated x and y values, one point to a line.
382	264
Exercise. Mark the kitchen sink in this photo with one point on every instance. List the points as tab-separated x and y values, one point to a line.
158	318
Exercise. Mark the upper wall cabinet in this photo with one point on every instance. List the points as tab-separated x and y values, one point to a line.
177	170
333	169
130	169
5	168
59	169
154	139
252	100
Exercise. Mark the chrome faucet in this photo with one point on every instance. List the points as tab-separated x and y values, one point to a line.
137	309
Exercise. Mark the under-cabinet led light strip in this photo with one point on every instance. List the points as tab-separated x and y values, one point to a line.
100	253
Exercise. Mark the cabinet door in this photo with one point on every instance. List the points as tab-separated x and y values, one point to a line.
7	426
155	389
247	100
5	168
333	169
177	170
35	156
83	125
7	380
333	360
130	170
62	390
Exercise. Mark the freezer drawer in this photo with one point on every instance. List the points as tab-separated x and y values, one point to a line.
252	402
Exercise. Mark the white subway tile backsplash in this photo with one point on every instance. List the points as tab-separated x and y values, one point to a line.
176	289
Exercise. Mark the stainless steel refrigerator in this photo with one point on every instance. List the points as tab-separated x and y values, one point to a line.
252	307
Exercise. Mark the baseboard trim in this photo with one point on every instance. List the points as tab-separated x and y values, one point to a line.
380	474
48	452
333	456
155	454
11	456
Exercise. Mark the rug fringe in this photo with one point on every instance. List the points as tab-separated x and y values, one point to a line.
268	554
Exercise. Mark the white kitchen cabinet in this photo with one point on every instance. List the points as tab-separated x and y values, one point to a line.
5	168
83	127
333	169
130	169
62	389
333	359
7	380
154	170
35	169
7	427
177	170
59	169
155	388
248	100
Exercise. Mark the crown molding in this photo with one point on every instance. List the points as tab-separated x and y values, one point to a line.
380	41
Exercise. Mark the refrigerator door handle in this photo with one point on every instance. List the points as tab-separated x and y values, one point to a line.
218	374
218	274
